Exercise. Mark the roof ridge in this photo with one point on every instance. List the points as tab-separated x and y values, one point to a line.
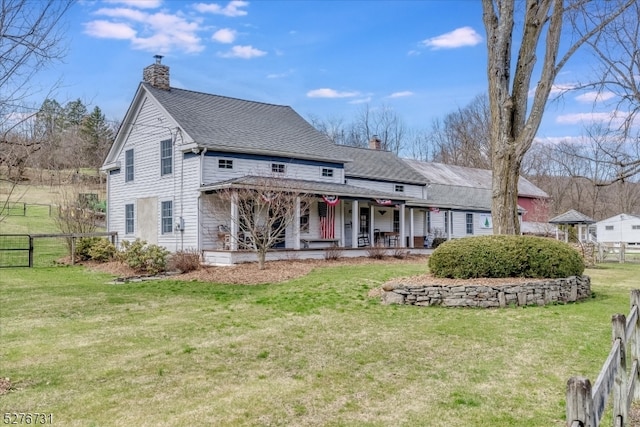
218	96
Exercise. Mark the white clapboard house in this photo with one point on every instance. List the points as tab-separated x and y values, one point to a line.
621	228
177	150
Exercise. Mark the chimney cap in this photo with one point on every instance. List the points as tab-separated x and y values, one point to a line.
158	58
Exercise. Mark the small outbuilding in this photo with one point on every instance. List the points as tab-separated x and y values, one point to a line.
573	218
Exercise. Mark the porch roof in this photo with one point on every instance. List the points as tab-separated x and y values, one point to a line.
302	186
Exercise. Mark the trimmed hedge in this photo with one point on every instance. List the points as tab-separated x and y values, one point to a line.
505	256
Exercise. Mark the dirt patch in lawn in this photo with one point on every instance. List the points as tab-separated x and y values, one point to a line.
5	386
249	274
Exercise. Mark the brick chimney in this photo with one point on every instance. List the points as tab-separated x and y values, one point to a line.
375	143
157	75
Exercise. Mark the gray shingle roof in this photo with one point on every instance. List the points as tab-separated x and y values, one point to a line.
235	125
439	173
303	186
378	164
572	217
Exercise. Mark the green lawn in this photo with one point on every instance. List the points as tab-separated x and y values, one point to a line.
315	351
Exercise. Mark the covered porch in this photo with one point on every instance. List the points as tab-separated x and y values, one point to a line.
347	218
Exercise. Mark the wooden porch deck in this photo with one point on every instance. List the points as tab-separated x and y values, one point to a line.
227	257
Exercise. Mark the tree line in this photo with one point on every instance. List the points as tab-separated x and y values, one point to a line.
593	174
56	137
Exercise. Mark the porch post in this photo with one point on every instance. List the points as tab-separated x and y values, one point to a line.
411	232
234	222
296	225
402	230
342	223
355	227
372	213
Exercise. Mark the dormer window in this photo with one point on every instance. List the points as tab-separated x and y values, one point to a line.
277	167
225	164
327	172
399	188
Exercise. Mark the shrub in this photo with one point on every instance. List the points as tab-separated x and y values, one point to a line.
505	256
83	247
332	253
376	252
400	253
102	250
185	261
142	257
438	241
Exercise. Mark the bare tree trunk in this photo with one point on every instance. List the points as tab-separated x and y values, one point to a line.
515	118
504	197
262	255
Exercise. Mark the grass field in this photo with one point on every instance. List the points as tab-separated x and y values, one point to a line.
315	351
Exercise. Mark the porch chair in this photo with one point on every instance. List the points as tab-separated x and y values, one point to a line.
363	240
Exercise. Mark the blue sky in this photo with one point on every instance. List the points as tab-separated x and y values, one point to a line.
326	58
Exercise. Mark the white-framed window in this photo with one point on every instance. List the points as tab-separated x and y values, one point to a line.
166	157
469	223
225	164
167	216
447	214
304	219
608	227
129	219
396	221
398	188
635	227
277	167
128	165
327	172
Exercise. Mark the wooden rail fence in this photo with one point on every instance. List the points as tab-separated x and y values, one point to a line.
586	404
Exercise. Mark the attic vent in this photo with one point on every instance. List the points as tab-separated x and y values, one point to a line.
157	75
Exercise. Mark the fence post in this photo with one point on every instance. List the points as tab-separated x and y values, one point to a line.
619	323
30	251
73	250
635	343
579	402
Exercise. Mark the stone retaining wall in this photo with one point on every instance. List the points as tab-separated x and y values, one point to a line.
552	291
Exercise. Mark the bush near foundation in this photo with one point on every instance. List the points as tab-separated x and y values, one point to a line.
143	257
505	256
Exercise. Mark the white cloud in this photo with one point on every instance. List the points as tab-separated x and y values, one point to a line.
109	30
556	89
554	140
244	52
123	12
460	37
401	94
595	96
361	100
280	75
232	9
155	32
330	93
577	118
224	35
140	4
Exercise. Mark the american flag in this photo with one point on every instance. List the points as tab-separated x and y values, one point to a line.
327	215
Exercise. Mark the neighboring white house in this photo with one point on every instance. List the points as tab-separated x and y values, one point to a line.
177	150
619	228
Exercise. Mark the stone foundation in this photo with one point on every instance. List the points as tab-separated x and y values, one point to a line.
538	292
